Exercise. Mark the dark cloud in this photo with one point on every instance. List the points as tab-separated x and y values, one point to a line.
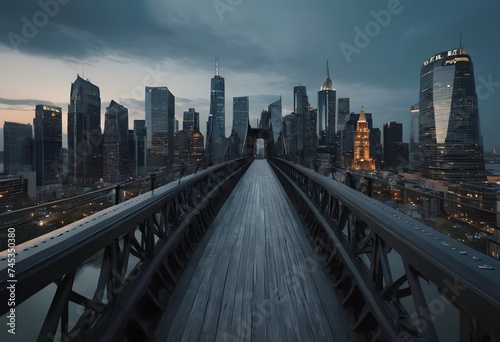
25	102
289	38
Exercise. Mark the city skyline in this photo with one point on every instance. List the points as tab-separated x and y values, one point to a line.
375	53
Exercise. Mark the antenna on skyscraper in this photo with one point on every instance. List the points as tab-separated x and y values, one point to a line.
462	49
217	67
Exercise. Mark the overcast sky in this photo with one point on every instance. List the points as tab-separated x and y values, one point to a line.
375	50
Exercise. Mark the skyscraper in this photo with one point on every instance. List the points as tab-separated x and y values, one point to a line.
160	127
18	147
343	112
301	109
451	146
196	149
217	118
48	145
115	142
265	119
84	133
393	138
181	150
291	134
276	118
414	132
311	138
361	158
348	136
191	120
140	148
326	110
240	119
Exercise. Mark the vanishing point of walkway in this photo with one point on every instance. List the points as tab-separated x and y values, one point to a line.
256	277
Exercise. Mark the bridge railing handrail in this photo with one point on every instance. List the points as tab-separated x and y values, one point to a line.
110	195
160	221
436	257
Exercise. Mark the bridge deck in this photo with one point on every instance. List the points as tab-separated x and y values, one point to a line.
257	277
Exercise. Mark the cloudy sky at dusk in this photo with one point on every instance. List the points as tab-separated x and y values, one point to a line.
265	49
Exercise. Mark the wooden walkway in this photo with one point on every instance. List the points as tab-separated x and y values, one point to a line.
257	277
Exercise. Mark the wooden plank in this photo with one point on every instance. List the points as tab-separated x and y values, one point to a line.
256	279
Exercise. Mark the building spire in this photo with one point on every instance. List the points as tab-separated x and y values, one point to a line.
217	67
362	116
328	85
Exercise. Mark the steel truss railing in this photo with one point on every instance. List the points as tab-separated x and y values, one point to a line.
144	245
356	235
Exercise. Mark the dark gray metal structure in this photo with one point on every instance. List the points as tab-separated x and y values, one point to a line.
358	236
143	245
383	263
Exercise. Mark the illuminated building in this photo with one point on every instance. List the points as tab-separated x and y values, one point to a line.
196	148
361	150
450	140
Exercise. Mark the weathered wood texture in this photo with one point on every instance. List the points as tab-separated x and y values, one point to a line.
257	278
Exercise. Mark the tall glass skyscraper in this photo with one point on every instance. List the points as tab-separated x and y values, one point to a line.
191	120
160	127
217	117
301	109
343	112
393	139
48	145
265	119
327	98
18	147
240	119
275	109
451	146
140	148
84	133
414	157
115	142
